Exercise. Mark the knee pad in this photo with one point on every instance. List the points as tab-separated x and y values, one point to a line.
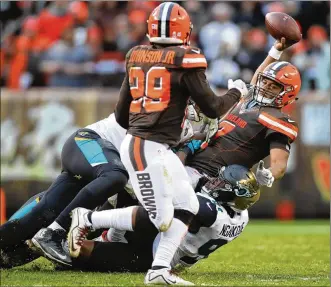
164	220
184	216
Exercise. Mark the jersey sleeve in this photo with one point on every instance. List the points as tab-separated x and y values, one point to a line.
123	105
279	124
193	58
207	213
197	87
280	141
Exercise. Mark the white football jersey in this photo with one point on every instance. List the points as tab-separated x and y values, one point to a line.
110	130
198	246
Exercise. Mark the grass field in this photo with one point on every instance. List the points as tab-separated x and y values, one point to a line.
268	253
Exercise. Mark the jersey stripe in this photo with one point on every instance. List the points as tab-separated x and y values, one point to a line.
194	61
136	153
164	14
278	125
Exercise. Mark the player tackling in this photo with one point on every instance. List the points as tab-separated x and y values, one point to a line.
159	80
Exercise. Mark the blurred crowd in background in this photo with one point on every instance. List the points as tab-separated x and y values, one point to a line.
83	44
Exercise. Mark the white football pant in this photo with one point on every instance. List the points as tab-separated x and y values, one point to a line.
159	179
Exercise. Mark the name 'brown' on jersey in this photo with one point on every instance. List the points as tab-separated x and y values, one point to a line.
245	137
158	83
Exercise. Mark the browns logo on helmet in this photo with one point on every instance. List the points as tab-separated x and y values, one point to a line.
278	85
169	23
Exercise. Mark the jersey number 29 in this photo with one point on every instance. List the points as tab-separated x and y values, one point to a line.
150	91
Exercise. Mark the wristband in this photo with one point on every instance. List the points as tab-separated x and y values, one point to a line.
274	53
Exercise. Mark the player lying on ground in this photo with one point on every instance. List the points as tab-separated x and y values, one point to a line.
42	209
222	216
91	172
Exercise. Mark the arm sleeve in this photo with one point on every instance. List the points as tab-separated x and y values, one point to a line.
122	108
207	213
278	140
210	104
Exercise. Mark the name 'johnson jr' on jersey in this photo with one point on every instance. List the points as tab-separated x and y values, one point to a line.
158	84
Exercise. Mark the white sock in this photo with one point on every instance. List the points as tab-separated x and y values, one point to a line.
116	218
55	226
169	243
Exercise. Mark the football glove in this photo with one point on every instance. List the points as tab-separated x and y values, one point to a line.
192	114
263	175
239	85
187	132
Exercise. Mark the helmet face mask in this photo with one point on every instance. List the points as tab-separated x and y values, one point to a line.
278	85
235	186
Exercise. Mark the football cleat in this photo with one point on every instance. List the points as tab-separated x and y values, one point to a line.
80	226
164	277
53	245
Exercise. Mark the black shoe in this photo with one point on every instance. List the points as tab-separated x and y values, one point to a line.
52	244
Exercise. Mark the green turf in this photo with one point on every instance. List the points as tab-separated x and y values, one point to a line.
268	253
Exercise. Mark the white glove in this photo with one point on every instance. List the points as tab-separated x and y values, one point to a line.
239	85
192	114
187	132
264	175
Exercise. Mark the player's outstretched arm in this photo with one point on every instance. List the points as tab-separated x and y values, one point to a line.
277	169
273	56
210	104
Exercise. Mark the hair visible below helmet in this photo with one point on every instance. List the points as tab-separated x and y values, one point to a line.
235	186
284	74
169	23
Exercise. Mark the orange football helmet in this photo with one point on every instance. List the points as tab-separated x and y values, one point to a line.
283	74
169	23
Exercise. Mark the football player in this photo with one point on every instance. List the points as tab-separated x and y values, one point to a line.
91	172
160	78
256	126
221	218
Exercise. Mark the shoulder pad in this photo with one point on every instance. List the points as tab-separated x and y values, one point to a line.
280	123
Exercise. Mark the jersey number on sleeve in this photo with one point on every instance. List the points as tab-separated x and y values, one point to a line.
224	128
150	91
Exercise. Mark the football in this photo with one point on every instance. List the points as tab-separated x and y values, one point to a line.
282	25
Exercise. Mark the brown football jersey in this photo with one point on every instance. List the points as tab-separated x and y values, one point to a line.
158	83
245	137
